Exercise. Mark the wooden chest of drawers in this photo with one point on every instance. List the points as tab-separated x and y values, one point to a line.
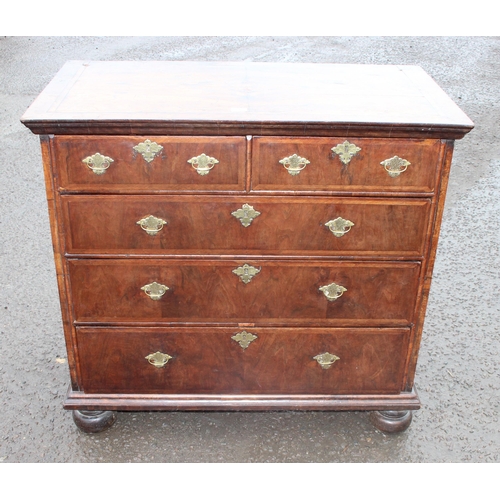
244	236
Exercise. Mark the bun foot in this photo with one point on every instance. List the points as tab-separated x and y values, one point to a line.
391	421
92	422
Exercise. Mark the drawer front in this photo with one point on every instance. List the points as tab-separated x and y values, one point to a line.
316	167
177	225
128	163
218	361
107	290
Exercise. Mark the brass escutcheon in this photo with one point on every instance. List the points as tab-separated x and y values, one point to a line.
244	338
294	164
339	226
395	165
158	359
326	360
203	163
98	163
346	151
151	224
332	291
148	149
155	291
246	214
246	272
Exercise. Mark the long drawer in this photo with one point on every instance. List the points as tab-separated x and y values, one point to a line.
237	361
209	225
260	291
132	163
334	164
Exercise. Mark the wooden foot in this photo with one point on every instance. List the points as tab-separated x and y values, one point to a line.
93	421
391	421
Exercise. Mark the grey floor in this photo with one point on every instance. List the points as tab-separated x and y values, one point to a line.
458	374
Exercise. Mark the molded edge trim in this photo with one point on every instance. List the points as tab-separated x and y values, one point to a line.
223	128
242	402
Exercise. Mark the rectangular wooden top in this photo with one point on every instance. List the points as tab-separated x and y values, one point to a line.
227	98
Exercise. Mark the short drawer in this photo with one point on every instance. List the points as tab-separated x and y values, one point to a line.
242	361
128	163
340	165
259	291
207	225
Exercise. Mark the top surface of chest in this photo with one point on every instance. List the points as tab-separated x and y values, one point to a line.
237	98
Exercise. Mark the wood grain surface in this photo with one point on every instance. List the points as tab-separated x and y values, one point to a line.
193	97
326	172
107	290
278	361
204	225
248	116
168	170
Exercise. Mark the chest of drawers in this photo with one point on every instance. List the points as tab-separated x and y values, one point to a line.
244	236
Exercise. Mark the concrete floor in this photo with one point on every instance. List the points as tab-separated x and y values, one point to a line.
458	373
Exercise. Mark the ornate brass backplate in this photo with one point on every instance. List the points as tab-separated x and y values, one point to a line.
339	226
395	165
326	360
294	164
332	291
148	149
246	272
346	151
98	163
151	224
158	359
244	338
203	163
155	291
246	214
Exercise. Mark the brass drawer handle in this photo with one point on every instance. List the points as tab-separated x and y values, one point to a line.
346	151
294	164
155	291
148	149
246	214
98	163
158	359
246	272
339	226
326	360
332	291
244	338
395	165
151	224
203	163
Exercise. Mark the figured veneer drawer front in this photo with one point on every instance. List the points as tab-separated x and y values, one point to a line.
317	168
130	163
210	225
276	361
260	291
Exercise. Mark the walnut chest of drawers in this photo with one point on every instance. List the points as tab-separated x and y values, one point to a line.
244	236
